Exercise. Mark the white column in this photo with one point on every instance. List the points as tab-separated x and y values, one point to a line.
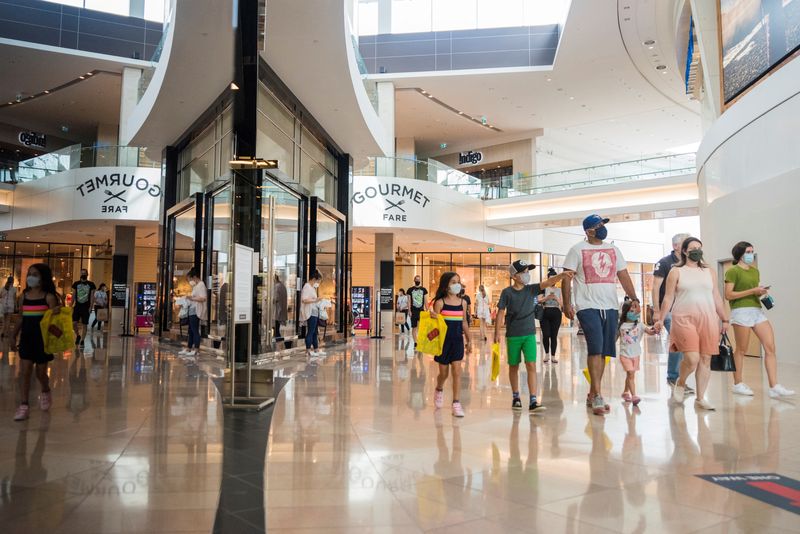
129	97
386	115
405	147
384	16
384	251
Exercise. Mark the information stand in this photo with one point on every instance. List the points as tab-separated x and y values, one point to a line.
243	315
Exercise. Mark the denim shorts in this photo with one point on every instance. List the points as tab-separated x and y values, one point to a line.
600	330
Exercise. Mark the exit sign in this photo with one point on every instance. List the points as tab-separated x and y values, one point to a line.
490	249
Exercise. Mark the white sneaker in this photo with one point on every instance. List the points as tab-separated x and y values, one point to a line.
742	389
184	352
780	391
704	405
191	354
458	410
677	394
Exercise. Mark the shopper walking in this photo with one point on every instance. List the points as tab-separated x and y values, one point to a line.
8	304
744	291
309	313
100	307
280	305
597	267
697	310
401	309
483	310
515	309
197	312
38	297
453	309
82	298
551	321
631	332
418	295
660	272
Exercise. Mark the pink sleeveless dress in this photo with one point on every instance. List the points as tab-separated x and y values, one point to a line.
695	325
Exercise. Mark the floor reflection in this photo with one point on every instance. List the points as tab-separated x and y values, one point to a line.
131	443
356	445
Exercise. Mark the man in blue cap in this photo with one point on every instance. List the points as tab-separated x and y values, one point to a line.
597	267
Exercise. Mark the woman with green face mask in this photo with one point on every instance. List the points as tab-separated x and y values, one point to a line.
698	319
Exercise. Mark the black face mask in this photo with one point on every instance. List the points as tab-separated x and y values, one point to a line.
84	276
417	282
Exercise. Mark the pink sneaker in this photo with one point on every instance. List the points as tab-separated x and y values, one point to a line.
45	401
458	410
22	412
626	397
438	399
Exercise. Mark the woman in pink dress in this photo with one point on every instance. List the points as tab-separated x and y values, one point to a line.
697	310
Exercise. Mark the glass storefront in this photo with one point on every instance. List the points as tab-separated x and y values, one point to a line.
65	260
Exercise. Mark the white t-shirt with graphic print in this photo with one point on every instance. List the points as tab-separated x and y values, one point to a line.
595	283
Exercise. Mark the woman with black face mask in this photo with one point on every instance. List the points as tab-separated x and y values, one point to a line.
698	319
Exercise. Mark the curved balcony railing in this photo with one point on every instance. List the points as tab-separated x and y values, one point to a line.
521	185
75	157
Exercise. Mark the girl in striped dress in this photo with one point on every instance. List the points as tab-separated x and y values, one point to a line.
39	296
454	311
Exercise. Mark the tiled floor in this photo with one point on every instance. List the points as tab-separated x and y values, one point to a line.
133	443
356	446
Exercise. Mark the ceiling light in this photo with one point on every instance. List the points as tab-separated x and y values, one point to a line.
649	42
234	87
572	98
82	77
89	73
549	79
661	67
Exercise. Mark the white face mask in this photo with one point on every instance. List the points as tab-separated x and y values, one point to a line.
455	289
192	283
316	285
525	278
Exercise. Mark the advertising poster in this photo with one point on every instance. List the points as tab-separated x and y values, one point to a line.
361	306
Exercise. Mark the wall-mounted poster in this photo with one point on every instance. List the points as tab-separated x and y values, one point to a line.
757	35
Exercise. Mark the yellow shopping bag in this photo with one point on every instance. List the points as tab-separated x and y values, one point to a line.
57	332
495	361
431	332
586	370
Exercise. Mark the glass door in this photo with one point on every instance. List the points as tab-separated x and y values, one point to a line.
184	253
218	208
326	252
280	271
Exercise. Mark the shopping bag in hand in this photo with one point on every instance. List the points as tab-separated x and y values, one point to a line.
723	361
431	333
586	370
57	332
495	361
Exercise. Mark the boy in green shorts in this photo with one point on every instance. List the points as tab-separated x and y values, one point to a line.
515	309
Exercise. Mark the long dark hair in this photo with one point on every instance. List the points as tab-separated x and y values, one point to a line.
684	257
738	251
444	284
623	313
47	278
9	282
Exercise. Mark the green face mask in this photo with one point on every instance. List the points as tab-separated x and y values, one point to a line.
695	255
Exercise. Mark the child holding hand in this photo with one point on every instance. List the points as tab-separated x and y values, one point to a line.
631	331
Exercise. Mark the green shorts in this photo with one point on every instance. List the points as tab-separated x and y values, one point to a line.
517	346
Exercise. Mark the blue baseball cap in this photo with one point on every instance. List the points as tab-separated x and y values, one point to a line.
594	220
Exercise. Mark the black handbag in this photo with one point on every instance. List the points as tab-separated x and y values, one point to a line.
724	360
538	312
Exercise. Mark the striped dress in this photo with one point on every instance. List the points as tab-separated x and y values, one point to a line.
453	349
31	344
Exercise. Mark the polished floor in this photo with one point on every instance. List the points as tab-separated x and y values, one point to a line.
132	443
356	446
135	440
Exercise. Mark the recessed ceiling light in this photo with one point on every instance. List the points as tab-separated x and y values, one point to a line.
572	98
661	67
649	42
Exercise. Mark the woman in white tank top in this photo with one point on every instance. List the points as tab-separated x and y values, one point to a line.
697	310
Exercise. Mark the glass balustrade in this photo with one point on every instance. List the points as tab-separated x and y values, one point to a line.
521	185
76	157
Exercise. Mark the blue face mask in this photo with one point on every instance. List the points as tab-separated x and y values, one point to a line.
601	233
749	257
633	316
